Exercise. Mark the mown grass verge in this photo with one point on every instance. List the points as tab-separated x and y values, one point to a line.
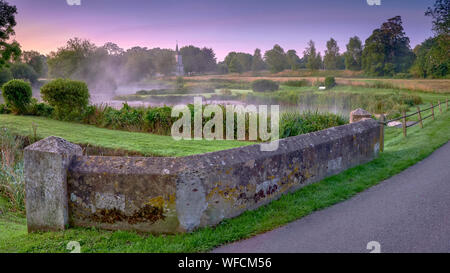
400	153
145	143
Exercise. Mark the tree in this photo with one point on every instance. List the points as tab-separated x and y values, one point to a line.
244	59
164	60
37	61
331	58
138	64
258	63
354	54
293	59
198	60
441	16
23	71
209	60
71	60
319	60
432	59
313	60
5	75
235	65
341	62
387	50
432	56
113	49
222	68
276	59
8	50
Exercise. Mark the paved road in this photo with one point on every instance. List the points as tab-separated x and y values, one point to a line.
409	212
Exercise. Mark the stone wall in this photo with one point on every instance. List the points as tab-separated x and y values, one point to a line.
168	195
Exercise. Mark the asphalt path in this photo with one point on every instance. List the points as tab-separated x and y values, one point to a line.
409	212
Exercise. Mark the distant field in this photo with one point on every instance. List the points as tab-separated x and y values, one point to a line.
438	85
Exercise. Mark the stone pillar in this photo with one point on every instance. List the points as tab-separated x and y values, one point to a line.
358	115
46	165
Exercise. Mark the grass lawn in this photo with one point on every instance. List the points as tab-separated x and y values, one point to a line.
400	153
145	143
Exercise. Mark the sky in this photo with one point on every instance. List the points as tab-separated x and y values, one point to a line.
224	25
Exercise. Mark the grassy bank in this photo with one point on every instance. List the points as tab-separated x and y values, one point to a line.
342	78
400	153
147	144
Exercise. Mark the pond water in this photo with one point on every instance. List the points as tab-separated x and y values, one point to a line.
309	102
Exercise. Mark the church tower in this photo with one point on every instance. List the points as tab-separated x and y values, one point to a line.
179	68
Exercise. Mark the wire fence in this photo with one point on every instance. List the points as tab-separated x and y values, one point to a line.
405	124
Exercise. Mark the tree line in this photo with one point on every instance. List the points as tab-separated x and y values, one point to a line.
386	52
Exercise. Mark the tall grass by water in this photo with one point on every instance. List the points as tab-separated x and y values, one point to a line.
12	182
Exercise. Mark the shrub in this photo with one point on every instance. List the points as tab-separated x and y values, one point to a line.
17	95
127	118
330	82
300	83
264	86
293	123
159	119
40	109
4	109
69	98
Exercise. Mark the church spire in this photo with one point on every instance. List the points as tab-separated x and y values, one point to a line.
177	47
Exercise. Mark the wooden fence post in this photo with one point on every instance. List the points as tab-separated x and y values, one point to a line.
440	108
432	110
404	123
382	133
420	117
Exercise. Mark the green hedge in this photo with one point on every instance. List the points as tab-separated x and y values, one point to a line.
265	86
69	98
299	83
17	95
330	82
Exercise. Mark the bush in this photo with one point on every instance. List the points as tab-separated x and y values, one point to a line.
264	86
17	95
159	119
296	83
40	109
4	109
69	98
330	82
294	123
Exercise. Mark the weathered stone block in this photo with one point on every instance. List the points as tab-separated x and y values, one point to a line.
46	165
359	114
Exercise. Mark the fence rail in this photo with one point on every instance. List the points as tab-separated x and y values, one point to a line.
403	118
